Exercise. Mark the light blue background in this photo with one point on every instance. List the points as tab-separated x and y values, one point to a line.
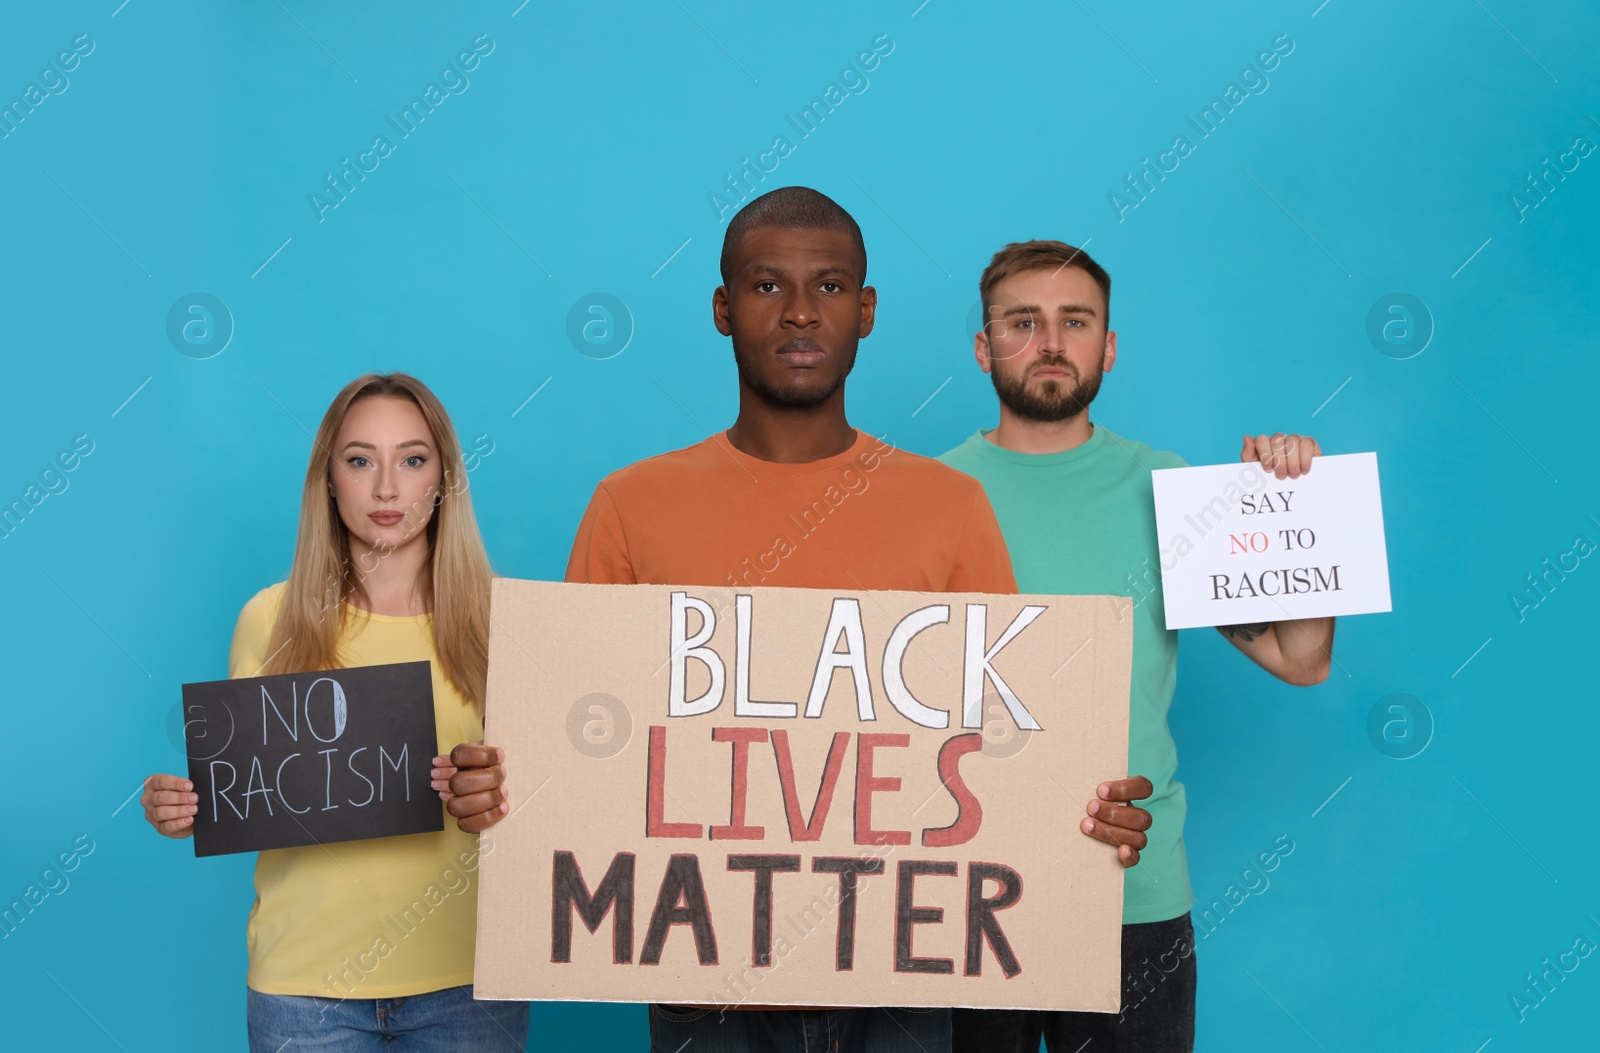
1382	157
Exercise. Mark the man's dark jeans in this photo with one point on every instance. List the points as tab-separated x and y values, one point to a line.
1158	985
674	1029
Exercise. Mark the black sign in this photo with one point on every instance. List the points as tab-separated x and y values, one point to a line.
311	758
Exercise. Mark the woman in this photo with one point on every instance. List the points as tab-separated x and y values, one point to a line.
388	568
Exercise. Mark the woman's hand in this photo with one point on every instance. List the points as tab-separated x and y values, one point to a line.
441	773
170	805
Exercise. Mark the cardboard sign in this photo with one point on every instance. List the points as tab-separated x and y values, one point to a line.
1240	546
311	758
803	797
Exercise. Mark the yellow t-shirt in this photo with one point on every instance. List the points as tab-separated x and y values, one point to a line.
381	918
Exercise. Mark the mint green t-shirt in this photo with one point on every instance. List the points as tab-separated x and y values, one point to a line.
1083	522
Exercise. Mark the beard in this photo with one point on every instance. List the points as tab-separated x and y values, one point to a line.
1049	400
794	396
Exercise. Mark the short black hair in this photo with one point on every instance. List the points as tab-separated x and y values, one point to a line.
794	208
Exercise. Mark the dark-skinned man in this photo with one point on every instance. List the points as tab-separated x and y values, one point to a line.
795	302
1076	506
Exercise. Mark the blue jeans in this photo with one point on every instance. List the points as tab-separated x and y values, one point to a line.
799	1030
447	1021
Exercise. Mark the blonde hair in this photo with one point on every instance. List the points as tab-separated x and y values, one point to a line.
455	587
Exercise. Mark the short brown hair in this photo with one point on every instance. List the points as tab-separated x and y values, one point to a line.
1020	256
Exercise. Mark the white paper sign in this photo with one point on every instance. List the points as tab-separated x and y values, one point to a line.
1239	545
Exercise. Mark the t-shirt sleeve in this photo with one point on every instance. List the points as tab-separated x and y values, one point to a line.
600	551
982	564
250	635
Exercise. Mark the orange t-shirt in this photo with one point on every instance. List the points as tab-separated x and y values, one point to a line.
872	517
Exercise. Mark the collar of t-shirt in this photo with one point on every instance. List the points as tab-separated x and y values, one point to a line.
777	469
1097	439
